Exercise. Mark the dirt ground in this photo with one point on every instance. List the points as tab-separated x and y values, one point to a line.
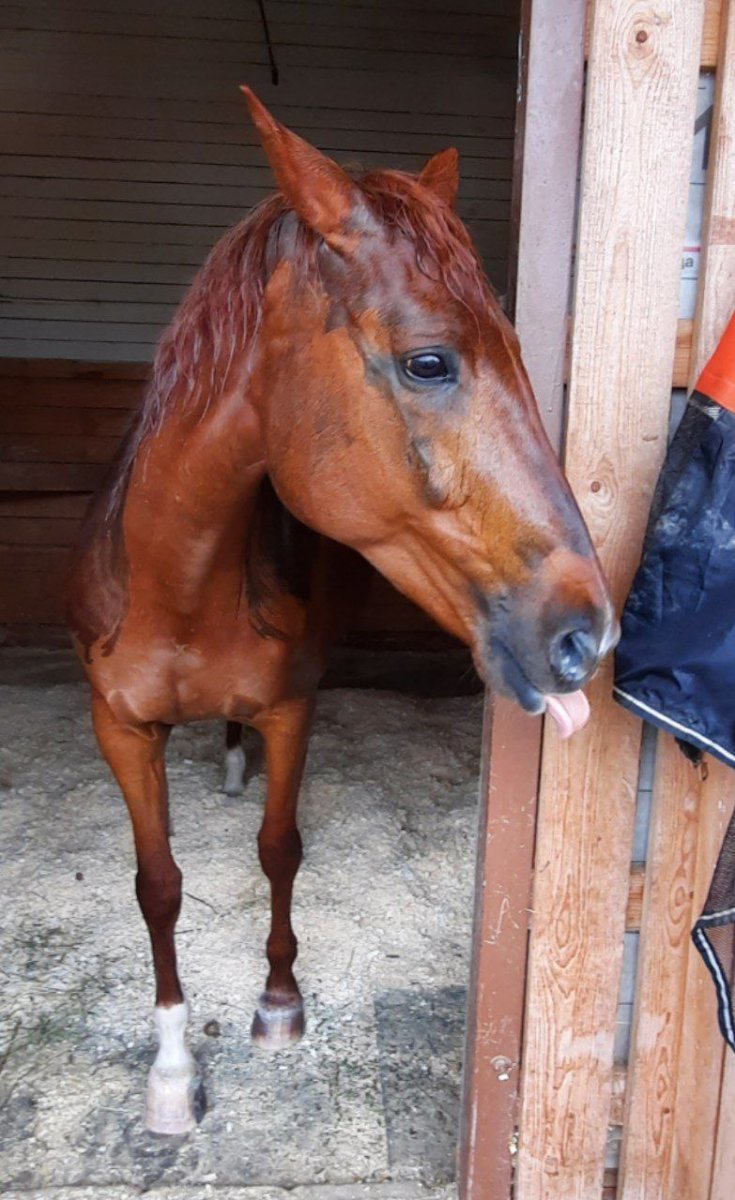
382	912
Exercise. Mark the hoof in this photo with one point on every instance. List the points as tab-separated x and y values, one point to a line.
174	1104
234	772
278	1024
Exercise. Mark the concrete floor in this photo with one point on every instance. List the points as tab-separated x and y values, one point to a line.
367	1103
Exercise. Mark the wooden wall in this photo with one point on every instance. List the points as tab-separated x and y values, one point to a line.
127	149
591	905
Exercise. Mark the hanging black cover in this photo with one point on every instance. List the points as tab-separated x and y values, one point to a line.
675	664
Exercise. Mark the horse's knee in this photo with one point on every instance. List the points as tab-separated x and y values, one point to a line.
158	889
280	854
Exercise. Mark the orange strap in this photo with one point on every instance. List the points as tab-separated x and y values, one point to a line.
718	378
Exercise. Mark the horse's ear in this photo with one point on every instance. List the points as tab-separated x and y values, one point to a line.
441	175
317	188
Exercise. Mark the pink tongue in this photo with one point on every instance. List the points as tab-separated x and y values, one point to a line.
570	712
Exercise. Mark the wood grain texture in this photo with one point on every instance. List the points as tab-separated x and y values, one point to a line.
703	1051
634	907
642	81
126	146
710	33
699	1168
716	295
660	1013
545	235
723	1170
547	150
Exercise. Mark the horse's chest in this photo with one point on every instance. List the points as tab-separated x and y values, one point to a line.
177	682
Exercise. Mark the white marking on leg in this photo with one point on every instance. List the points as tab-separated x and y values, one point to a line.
172	1078
234	771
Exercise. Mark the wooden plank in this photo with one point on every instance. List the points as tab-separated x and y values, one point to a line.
723	1165
124	187
50	477
710	36
54	505
147	139
48	449
119	396
37	531
634	908
502	898
716	295
610	1185
712	33
548	130
338	25
545	236
64	421
683	354
617	1096
69	368
699	1164
77	347
659	1012
702	1052
641	91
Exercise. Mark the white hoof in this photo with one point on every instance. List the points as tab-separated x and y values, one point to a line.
169	1103
172	1081
234	771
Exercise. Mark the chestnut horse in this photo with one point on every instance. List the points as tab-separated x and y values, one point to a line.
339	375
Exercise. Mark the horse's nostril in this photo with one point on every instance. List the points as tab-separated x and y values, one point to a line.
573	656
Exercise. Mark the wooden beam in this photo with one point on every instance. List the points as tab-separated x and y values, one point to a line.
500	940
641	92
702	1166
617	1095
68	368
702	1053
723	1161
548	129
660	1013
634	907
545	193
710	32
683	354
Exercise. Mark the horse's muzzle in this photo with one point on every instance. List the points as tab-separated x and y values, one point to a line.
530	652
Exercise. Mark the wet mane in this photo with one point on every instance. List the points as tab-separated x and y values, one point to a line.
216	327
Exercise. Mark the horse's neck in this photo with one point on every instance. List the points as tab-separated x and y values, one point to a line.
190	500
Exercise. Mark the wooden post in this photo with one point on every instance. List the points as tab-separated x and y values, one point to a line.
547	136
701	1166
660	1013
639	122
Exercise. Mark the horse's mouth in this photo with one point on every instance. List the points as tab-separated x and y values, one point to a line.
569	710
509	677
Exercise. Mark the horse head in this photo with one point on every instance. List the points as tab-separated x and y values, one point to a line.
398	419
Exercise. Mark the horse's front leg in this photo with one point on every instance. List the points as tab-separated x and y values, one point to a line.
279	1017
136	757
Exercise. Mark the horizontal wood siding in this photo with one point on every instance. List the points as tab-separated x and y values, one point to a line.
126	148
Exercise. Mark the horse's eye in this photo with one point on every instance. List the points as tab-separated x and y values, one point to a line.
429	366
